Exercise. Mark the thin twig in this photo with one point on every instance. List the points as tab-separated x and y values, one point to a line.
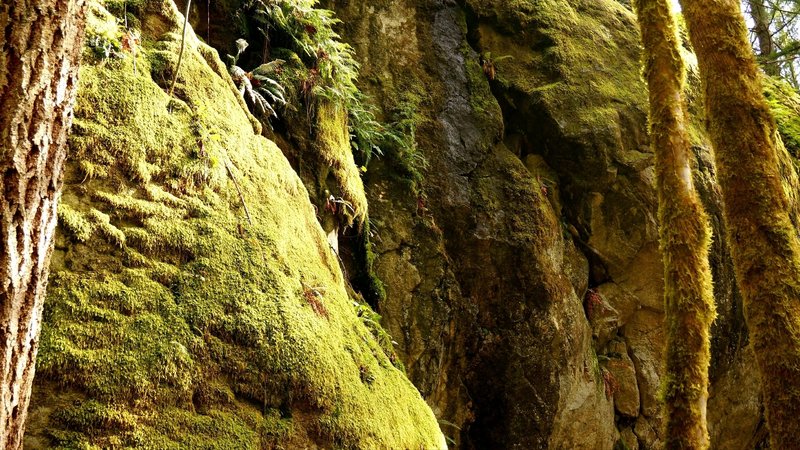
341	262
244	204
183	44
239	190
128	36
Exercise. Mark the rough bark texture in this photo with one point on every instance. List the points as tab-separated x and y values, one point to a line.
764	244
40	50
684	233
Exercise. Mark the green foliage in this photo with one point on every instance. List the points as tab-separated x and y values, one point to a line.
784	103
372	321
402	139
367	135
259	90
329	71
311	33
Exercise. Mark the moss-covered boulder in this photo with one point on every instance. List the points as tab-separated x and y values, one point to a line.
194	301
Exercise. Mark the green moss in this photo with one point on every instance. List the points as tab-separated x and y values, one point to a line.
581	44
74	223
111	233
333	143
173	321
481	99
784	102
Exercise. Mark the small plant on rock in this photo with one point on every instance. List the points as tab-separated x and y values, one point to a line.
593	302
488	63
258	88
313	296
610	382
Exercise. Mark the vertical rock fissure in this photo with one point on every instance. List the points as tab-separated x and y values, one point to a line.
532	133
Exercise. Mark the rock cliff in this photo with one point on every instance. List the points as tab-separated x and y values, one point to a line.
207	293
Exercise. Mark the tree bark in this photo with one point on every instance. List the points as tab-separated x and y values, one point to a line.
766	46
763	241
41	44
684	233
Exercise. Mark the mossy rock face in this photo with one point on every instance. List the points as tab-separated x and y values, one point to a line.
194	301
479	255
566	75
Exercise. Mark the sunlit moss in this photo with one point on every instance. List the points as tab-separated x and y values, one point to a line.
333	140
784	102
581	46
74	223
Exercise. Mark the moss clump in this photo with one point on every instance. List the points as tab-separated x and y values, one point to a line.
173	321
333	142
578	61
784	102
74	223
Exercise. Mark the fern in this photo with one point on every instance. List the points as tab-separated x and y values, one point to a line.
332	70
260	91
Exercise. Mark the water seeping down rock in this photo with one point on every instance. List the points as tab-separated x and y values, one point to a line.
202	298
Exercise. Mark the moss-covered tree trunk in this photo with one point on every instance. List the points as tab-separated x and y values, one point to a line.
763	241
684	232
41	42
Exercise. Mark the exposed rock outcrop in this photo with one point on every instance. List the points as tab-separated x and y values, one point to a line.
565	75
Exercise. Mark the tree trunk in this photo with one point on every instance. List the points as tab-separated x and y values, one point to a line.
684	232
766	46
763	241
41	44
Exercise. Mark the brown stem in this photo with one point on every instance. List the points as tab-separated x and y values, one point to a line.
183	45
684	233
